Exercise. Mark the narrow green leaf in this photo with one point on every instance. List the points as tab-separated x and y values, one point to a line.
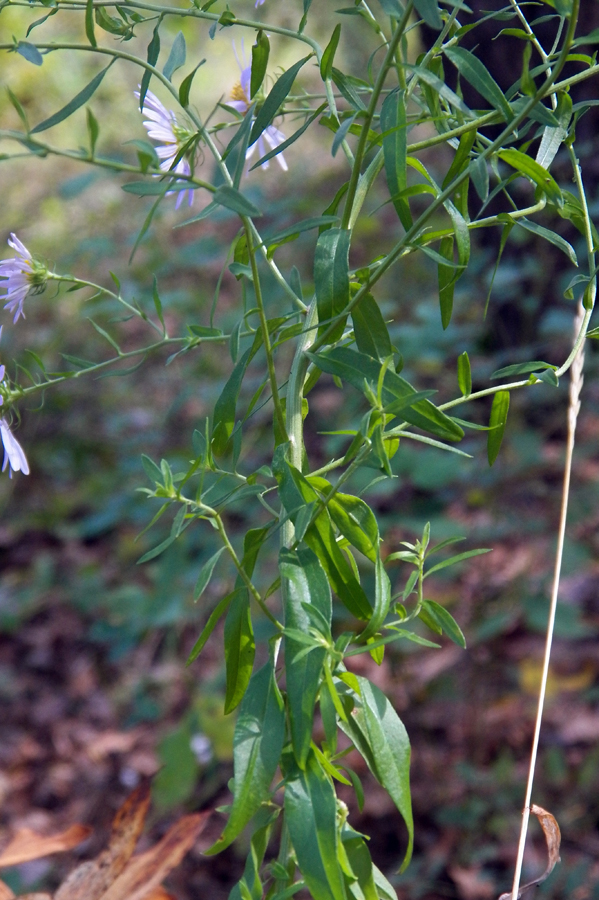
331	277
89	23
476	74
156	551
290	140
464	374
382	602
550	236
260	54
257	746
372	334
520	369
185	87
233	199
446	622
535	172
153	471
395	141
176	57
105	334
275	98
41	21
224	410
360	862
356	367
345	85
429	10
153	53
380	736
240	649
497	422
250	887
328	57
299	227
311	816
153	188
439	87
206	574
157	303
16	103
356	522
468	554
210	625
93	130
446	279
304	582
78	100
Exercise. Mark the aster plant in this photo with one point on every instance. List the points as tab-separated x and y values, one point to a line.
314	521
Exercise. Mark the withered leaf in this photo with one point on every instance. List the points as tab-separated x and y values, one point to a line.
27	844
91	879
553	838
145	872
160	894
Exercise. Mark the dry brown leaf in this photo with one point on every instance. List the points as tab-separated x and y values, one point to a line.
145	872
27	844
160	894
91	879
553	838
5	892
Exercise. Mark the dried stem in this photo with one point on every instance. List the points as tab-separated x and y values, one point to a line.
576	380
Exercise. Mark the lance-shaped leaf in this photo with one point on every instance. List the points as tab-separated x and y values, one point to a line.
311	816
305	583
240	649
535	172
296	493
380	736
331	277
360	861
497	422
356	367
476	74
176	57
356	522
73	105
429	10
372	334
224	410
260	54
257	745
382	601
395	141
277	95
250	885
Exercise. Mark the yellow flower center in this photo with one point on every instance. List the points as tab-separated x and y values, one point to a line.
238	93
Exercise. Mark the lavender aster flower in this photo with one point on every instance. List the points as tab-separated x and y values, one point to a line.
241	102
23	275
162	127
13	452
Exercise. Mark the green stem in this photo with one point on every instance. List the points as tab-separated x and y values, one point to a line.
241	571
378	87
272	375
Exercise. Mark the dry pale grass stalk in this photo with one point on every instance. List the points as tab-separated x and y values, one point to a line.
576	380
